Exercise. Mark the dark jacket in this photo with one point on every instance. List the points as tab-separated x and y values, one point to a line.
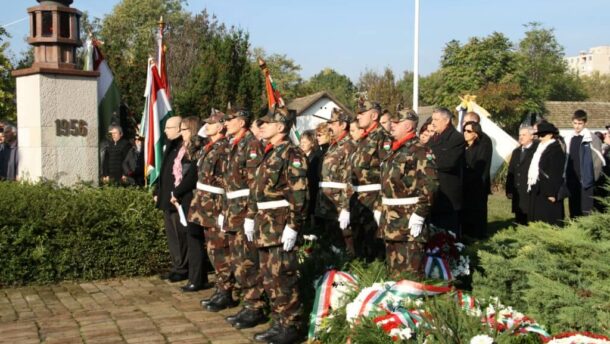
476	185
516	178
313	177
488	147
550	179
448	149
165	183
114	156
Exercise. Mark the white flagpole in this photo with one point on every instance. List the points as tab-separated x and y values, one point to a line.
416	60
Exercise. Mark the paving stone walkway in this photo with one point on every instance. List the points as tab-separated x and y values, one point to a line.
140	310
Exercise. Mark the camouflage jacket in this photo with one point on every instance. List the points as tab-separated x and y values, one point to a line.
282	176
243	158
206	205
366	162
408	172
336	167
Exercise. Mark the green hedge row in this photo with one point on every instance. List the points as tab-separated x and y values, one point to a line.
559	276
50	234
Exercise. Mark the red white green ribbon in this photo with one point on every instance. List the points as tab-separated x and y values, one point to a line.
321	306
437	263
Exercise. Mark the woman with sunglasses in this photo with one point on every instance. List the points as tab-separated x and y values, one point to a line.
477	156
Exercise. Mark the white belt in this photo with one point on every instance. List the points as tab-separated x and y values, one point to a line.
367	188
272	204
399	201
210	189
333	185
238	193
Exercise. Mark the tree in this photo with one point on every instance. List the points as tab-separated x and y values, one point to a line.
381	88
597	87
329	80
8	108
129	33
542	71
222	70
284	71
405	89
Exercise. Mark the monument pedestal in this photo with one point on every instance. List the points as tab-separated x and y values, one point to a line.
57	116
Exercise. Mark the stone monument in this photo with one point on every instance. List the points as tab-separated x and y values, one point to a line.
57	112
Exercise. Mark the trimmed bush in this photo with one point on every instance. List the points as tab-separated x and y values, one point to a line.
559	276
49	234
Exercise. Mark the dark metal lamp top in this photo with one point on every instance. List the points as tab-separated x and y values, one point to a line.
62	2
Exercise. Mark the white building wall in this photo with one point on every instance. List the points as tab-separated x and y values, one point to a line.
315	114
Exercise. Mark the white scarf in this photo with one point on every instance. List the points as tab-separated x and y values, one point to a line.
533	171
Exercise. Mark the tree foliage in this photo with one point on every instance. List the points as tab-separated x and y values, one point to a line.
8	108
381	87
597	87
329	80
284	71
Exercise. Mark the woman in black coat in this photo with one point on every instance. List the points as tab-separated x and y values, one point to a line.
545	177
474	208
314	154
183	194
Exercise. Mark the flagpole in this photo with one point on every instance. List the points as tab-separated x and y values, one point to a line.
416	59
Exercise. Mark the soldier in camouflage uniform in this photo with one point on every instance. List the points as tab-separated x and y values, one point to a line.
207	203
276	214
332	207
374	145
244	155
408	181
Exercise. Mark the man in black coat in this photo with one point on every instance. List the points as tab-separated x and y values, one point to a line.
448	148
115	154
176	233
516	178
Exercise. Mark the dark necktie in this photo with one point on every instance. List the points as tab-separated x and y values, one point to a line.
522	155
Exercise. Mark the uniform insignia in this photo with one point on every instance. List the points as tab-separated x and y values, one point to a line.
253	154
296	163
387	145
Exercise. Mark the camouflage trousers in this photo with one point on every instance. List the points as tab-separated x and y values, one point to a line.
245	267
217	245
280	280
334	235
405	256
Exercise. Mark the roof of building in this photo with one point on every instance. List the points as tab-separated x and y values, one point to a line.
301	104
560	113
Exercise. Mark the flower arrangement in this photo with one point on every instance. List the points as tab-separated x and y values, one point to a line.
444	259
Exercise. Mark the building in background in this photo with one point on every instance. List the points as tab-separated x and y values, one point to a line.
597	59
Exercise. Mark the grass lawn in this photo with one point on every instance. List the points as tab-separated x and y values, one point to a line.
499	215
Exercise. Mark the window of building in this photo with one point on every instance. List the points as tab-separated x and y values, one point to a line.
47	23
64	25
34	24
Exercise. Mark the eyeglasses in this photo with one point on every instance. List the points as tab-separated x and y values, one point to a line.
185	129
171	127
468	131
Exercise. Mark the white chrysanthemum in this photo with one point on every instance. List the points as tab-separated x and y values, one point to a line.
403	334
481	339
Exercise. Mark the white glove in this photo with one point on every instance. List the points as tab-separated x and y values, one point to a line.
289	238
221	222
377	216
343	219
249	229
416	223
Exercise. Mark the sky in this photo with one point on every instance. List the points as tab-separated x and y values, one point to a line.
352	36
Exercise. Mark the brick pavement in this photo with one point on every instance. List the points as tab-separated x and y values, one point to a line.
139	310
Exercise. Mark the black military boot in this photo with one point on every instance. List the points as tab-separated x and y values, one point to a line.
287	335
250	318
205	302
271	332
231	319
224	300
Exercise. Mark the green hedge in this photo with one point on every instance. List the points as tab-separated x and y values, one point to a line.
559	276
50	234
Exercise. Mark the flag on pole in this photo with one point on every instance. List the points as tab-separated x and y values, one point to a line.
108	96
274	98
157	110
161	61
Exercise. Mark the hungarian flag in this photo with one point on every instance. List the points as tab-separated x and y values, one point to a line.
161	61
108	96
274	98
157	110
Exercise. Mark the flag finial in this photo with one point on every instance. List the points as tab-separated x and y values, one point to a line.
161	23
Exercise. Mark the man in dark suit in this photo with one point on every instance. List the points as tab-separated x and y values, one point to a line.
448	147
516	179
176	233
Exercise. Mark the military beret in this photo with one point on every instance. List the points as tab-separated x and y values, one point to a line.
403	115
277	115
366	105
215	117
